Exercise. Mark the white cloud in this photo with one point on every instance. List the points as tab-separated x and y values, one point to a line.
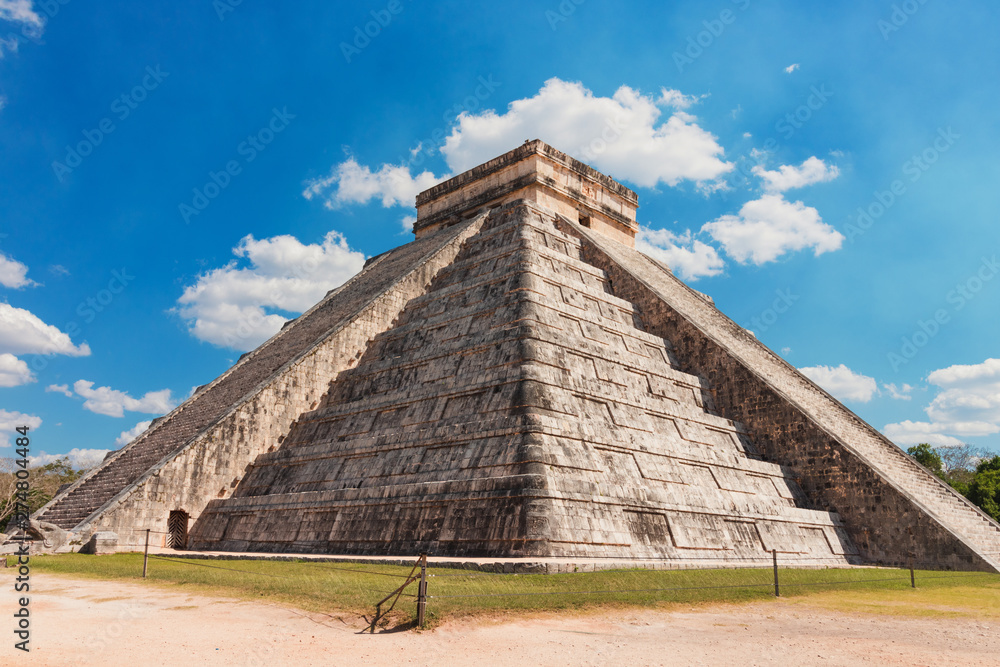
229	306
912	433
970	394
113	403
842	382
357	184
81	459
14	274
20	11
407	222
788	177
623	135
791	68
60	389
13	371
677	99
967	406
768	227
9	423
133	433
685	255
627	135
21	332
899	393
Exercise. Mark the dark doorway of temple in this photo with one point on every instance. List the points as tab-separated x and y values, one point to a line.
177	525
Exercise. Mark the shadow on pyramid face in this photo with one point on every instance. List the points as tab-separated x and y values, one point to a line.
516	409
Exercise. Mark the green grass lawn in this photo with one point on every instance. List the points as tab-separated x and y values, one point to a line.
355	588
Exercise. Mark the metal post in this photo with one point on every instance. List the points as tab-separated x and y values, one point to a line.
913	577
422	591
145	555
774	555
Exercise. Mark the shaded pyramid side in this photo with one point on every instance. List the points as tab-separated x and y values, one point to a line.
200	450
518	408
639	463
894	510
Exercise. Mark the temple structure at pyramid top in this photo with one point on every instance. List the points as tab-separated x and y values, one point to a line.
520	381
536	173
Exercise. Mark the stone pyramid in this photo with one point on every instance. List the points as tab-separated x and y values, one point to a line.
520	381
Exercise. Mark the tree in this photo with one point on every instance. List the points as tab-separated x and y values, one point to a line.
928	457
985	488
988	465
972	471
8	499
960	465
44	482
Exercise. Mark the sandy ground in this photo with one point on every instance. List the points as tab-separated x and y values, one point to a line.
86	622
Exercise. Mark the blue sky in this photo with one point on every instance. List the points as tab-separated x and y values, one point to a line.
179	178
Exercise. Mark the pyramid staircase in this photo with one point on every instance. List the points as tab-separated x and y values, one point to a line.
266	368
519	408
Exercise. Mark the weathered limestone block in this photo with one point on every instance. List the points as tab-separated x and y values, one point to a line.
102	542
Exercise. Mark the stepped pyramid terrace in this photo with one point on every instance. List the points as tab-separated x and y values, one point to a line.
519	381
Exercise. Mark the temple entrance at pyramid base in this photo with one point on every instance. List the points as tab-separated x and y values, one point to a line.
177	525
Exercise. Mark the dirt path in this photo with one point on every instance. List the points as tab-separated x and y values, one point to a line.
85	622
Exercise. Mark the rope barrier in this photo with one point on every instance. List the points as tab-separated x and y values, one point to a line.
263	574
629	571
837	583
347	569
625	590
216	567
958	576
747	559
689	588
